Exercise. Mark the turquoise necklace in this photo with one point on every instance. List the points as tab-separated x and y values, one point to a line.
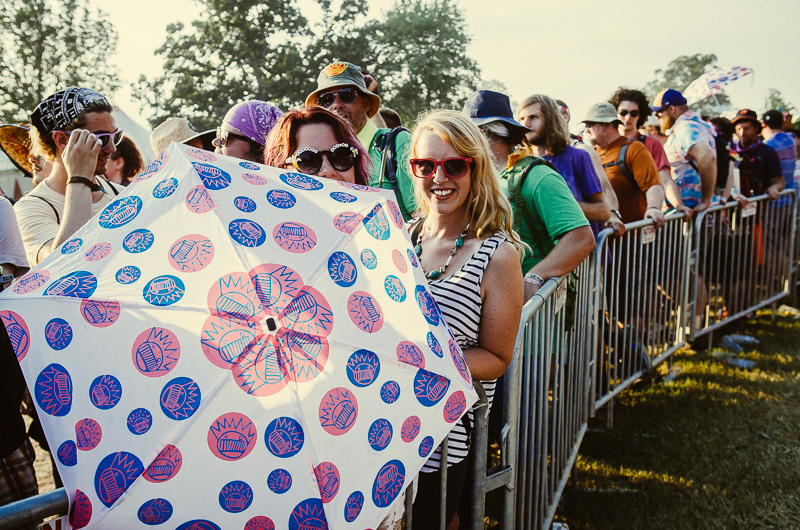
441	270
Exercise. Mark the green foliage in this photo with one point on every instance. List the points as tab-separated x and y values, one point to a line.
421	59
239	49
46	46
245	49
775	100
680	73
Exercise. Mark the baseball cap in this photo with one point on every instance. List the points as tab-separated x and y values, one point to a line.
601	113
341	75
746	114
666	98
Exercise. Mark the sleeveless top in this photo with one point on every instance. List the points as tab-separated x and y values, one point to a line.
459	299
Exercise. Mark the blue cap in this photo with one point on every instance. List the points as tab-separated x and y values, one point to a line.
667	97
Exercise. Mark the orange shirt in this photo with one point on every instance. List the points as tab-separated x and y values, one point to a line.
632	199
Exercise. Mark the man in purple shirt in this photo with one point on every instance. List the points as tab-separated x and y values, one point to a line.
549	139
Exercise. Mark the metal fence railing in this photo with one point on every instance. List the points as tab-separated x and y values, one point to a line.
586	337
642	309
741	260
549	380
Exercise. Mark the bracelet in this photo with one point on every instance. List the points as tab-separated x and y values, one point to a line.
83	180
535	279
617	213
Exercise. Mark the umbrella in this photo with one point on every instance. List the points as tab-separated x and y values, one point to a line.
227	345
713	82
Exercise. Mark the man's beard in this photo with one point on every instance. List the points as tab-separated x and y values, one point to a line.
538	139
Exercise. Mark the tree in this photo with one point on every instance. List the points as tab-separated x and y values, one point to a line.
239	49
679	74
774	100
243	49
248	49
46	46
421	57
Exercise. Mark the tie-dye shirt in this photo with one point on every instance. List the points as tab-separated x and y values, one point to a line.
689	129
784	145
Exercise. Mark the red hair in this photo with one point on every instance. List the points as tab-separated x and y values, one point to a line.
282	140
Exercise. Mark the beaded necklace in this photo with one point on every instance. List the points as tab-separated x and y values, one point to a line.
441	270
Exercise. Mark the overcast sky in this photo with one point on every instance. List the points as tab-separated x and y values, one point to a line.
576	50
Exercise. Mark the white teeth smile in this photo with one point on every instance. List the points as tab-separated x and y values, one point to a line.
442	193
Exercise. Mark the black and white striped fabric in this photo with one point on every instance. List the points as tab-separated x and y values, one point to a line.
459	298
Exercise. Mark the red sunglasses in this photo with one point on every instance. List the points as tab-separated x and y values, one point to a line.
455	167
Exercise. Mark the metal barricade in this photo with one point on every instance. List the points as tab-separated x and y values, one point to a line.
33	510
478	483
642	279
548	381
741	260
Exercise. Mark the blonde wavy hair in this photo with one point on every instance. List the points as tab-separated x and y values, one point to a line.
488	209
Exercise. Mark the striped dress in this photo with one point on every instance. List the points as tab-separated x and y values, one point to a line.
459	299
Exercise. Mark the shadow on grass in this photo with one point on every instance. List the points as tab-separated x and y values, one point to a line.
717	448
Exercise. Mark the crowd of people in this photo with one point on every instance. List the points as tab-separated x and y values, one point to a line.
497	201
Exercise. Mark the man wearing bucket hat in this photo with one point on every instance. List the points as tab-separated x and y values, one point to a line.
759	165
546	215
628	165
342	89
690	148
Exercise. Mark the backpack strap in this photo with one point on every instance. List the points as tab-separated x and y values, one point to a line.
389	162
515	191
50	204
621	162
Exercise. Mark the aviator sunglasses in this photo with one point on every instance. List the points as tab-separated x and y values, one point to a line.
624	112
105	138
346	95
308	160
455	167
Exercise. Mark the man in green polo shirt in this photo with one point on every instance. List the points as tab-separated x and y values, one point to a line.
341	88
550	221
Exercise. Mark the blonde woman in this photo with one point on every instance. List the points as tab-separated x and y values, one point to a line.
471	255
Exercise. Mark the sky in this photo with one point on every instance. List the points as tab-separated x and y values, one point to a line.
579	51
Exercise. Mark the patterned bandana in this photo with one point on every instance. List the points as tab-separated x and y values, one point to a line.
254	118
60	109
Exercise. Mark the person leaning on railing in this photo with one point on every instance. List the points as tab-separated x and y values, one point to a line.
470	253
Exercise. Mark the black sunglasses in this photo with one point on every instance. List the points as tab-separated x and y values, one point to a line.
346	95
624	112
223	135
308	160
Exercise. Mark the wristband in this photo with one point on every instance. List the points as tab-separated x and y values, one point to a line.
617	213
535	279
83	180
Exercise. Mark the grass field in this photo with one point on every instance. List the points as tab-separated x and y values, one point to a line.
716	448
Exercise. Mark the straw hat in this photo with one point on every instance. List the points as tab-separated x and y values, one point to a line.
15	142
179	130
